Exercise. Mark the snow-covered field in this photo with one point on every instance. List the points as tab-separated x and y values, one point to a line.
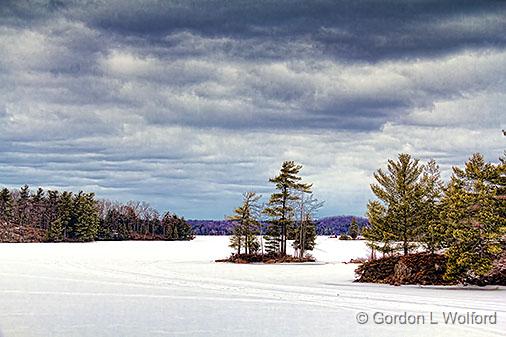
175	289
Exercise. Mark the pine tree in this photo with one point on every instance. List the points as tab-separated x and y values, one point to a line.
246	226
38	203
400	192
176	228
23	206
6	205
65	213
55	231
85	219
433	232
305	236
474	218
353	230
50	212
279	206
379	235
185	230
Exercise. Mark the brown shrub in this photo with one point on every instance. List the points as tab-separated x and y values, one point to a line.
13	233
419	268
267	258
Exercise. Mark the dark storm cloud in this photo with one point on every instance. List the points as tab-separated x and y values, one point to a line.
367	30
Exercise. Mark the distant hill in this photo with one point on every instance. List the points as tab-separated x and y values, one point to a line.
338	224
325	226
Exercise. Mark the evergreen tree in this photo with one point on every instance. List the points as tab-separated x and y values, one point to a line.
279	206
38	206
23	206
55	231
176	228
246	226
65	214
85	219
108	228
473	214
400	192
59	218
185	230
305	236
50	212
6	205
353	230
433	230
379	235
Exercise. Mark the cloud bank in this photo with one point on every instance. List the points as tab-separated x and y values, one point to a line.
188	104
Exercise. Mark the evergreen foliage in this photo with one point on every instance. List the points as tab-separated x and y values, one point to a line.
432	186
353	230
5	205
474	219
305	236
85	220
23	206
246	225
396	219
279	207
176	228
465	220
55	217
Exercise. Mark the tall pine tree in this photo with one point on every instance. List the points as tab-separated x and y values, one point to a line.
433	235
398	212
279	207
473	212
85	217
6	204
246	226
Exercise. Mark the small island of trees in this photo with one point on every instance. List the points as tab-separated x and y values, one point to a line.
290	212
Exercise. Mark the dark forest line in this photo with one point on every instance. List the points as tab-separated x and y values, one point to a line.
57	216
332	225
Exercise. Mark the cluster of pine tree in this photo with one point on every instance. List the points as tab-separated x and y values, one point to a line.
353	231
289	213
464	218
56	216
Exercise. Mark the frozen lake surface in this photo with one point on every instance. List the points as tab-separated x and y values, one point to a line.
175	289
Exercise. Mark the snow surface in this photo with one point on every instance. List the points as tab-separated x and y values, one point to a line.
175	289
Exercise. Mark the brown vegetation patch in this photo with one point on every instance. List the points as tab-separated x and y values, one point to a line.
420	268
497	275
11	233
267	258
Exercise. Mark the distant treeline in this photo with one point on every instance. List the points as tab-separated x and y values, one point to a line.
54	216
334	225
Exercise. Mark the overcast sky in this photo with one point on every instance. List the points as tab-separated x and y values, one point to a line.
187	104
